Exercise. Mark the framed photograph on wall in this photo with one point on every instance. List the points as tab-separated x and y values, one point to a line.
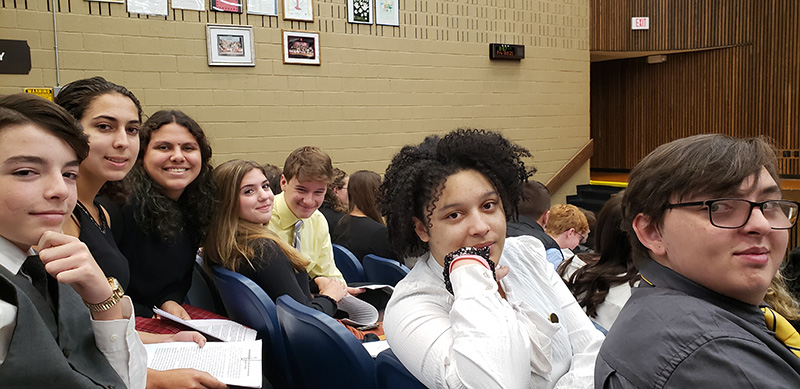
301	47
298	10
262	7
147	7
230	45
359	11
227	6
194	5
386	13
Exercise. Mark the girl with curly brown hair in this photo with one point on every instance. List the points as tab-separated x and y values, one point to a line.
477	309
163	222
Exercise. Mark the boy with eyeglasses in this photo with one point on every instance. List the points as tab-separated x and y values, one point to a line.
568	226
709	232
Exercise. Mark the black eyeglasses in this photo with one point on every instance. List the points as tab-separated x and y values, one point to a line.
735	213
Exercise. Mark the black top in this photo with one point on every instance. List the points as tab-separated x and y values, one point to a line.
528	226
331	216
362	235
100	241
160	271
273	272
678	334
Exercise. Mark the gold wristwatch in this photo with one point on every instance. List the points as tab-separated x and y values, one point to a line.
116	295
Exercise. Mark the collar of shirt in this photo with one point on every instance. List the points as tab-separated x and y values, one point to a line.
567	253
11	257
283	214
434	266
663	277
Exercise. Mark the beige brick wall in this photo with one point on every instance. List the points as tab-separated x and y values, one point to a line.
378	87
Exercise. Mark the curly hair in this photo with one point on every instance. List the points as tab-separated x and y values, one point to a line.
331	198
591	283
416	176
156	213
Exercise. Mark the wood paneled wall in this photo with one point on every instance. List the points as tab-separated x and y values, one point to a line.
742	80
674	24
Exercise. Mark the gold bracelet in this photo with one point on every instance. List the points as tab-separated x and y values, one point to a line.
116	295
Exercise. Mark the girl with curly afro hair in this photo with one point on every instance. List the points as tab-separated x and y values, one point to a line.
477	309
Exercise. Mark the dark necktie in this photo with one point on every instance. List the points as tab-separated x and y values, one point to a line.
34	268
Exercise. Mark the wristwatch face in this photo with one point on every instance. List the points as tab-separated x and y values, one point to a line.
116	295
116	288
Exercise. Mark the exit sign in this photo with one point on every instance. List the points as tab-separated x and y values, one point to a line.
640	23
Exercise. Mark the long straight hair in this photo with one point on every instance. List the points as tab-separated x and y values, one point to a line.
591	283
232	241
362	192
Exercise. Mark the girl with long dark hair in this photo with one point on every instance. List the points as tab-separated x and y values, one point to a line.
362	230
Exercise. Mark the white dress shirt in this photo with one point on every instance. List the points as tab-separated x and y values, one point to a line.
567	254
116	339
478	339
616	298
